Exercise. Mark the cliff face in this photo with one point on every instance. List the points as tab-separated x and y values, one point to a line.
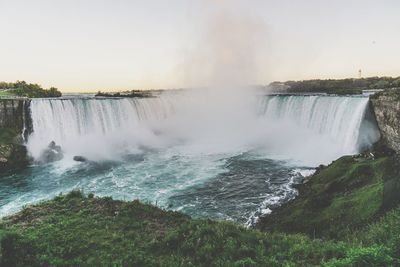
13	114
15	124
386	106
12	156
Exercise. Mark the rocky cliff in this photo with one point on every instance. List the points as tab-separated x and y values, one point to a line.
15	125
13	114
386	106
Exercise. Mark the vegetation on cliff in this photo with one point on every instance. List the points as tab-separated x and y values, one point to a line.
23	89
340	198
7	135
392	93
74	230
12	153
337	86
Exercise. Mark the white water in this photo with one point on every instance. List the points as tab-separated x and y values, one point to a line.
95	128
322	127
231	160
306	129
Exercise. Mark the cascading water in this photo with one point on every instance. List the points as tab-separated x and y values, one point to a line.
207	160
80	126
337	119
84	126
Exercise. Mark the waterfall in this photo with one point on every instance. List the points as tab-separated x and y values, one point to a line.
200	152
344	120
89	122
296	126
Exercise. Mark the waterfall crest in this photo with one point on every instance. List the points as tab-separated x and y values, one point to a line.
93	123
341	119
296	126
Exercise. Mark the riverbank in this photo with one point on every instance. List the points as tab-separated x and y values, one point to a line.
340	198
80	230
346	214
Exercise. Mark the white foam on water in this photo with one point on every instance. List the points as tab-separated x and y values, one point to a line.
308	130
183	140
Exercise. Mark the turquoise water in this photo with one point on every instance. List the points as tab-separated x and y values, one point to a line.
229	162
217	187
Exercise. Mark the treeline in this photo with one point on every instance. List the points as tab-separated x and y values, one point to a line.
338	86
132	93
24	89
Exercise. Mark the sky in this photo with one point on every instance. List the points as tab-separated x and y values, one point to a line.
90	45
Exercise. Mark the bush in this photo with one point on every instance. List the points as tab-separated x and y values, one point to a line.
365	256
16	250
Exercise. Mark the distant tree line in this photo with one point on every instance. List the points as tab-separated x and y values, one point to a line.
350	86
24	89
132	93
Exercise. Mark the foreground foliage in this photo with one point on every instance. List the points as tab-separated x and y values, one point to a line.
74	230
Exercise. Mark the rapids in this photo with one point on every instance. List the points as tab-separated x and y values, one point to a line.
188	152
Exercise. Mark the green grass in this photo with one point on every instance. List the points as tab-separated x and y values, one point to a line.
73	230
385	232
339	198
346	215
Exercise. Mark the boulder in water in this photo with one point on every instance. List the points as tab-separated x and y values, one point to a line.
52	153
80	158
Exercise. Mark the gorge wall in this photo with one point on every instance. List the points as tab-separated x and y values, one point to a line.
15	125
12	113
386	106
16	122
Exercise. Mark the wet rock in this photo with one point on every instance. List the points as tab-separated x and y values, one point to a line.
52	153
134	157
80	158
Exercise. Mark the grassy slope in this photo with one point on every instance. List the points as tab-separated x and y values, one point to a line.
75	230
339	198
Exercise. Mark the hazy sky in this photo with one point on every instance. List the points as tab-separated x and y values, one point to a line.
87	45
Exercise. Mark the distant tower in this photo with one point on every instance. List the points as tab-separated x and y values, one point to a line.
359	74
